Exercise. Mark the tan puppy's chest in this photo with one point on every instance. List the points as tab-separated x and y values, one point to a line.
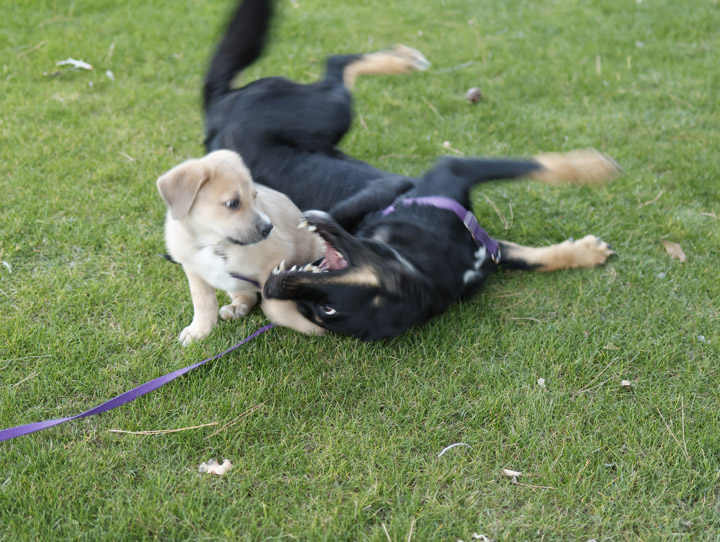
213	269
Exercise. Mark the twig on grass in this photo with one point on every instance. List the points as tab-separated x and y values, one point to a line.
386	532
432	107
532	486
453	446
35	48
502	217
683	450
536	320
682	410
582	469
24	380
587	386
236	420
161	431
680	101
412	528
650	202
455	68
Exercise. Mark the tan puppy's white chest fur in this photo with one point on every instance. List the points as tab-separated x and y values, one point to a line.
220	222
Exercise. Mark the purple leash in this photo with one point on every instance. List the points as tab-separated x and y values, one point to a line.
13	432
479	235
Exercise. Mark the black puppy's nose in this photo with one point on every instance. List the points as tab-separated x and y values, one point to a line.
266	229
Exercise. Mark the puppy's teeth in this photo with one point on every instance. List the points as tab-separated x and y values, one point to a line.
303	224
294	268
339	255
312	228
282	266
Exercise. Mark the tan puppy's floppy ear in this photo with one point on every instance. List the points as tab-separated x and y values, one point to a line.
179	186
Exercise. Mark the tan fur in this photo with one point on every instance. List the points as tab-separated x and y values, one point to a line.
284	313
586	166
199	227
400	59
586	252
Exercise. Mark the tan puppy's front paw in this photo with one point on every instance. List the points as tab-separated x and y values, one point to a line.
194	332
232	312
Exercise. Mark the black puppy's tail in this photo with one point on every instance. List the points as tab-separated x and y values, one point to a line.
242	45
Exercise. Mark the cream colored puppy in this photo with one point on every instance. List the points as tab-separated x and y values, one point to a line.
219	222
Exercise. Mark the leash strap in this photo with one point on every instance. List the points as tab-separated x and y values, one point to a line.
479	235
13	432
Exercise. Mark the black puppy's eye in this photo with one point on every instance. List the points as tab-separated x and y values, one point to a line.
328	310
232	203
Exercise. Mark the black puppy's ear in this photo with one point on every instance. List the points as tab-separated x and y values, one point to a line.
179	186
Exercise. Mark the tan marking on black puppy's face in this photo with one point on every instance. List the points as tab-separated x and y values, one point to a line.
214	197
360	288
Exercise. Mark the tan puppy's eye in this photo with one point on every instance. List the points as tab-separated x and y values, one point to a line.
232	203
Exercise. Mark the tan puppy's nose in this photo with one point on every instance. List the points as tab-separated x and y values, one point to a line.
266	229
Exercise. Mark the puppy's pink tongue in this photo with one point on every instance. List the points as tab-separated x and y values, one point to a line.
332	260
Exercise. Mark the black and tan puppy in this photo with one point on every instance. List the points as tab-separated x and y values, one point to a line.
385	268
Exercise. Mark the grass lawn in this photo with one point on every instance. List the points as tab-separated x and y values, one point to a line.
333	439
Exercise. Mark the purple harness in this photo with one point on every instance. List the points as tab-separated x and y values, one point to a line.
479	235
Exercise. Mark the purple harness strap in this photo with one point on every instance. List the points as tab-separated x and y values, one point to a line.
13	432
246	279
479	235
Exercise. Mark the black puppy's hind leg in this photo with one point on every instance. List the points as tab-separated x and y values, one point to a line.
586	166
586	252
399	59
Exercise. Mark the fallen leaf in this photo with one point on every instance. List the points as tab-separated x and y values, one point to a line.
74	63
213	467
541	382
674	250
511	473
625	383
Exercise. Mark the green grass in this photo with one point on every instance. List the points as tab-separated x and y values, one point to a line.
346	443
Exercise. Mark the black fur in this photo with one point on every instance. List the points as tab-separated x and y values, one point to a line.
414	262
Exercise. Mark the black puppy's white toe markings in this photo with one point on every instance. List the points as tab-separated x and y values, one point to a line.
382	272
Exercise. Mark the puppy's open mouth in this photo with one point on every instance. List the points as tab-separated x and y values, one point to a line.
334	259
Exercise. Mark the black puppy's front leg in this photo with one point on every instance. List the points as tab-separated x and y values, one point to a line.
377	196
